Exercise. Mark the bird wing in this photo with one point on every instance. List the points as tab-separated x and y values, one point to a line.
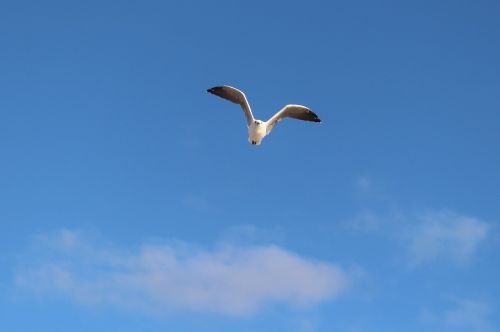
292	111
236	96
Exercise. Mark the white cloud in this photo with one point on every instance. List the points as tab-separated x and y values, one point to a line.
444	234
158	278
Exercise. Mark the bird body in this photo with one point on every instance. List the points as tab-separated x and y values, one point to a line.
258	129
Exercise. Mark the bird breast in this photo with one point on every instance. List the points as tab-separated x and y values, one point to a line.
257	131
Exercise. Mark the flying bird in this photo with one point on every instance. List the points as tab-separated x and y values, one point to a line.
258	129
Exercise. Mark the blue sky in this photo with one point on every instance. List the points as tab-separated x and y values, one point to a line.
131	200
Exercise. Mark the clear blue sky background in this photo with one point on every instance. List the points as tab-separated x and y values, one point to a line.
109	140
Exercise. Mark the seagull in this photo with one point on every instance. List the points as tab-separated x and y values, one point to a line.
258	129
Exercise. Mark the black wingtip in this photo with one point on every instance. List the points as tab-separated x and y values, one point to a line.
315	117
214	89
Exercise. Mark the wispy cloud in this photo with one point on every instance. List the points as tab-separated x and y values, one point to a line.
160	278
364	184
465	315
196	202
445	234
367	188
426	237
470	315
